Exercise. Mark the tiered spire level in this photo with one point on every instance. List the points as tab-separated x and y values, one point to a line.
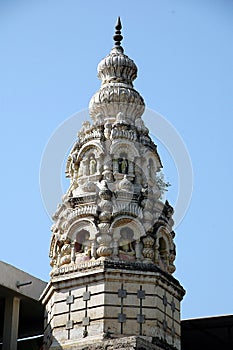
113	209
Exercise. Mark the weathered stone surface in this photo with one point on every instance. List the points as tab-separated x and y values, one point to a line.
128	343
114	309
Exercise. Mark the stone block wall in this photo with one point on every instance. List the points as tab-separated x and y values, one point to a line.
112	301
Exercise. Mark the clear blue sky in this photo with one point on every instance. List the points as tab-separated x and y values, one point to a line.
184	52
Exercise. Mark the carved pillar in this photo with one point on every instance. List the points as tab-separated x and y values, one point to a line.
72	255
104	240
85	167
131	168
107	173
93	249
115	166
58	259
148	251
156	253
115	249
99	164
138	250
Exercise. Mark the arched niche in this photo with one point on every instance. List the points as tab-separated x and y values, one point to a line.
162	232
89	159
82	236
53	243
127	222
162	249
163	246
124	155
124	147
82	224
91	146
152	159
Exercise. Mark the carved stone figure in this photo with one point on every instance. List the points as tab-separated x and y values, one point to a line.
92	166
123	165
82	246
107	130
126	244
65	255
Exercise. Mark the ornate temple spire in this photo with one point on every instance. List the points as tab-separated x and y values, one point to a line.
112	247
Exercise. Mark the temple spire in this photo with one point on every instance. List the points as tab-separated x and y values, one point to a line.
118	37
112	248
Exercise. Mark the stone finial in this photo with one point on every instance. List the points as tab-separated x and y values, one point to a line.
118	37
117	73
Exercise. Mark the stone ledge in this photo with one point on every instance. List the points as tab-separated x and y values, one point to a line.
111	264
99	271
138	266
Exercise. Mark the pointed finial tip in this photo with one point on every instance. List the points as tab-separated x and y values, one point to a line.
118	23
118	37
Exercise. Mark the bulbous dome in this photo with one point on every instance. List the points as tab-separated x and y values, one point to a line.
113	99
117	68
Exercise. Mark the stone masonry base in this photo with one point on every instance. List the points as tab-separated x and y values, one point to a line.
113	305
128	343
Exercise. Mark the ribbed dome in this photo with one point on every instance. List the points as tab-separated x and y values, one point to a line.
117	67
115	98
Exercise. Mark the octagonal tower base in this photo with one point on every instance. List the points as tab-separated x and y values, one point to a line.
112	305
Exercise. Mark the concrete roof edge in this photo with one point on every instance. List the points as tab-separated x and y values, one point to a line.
20	282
